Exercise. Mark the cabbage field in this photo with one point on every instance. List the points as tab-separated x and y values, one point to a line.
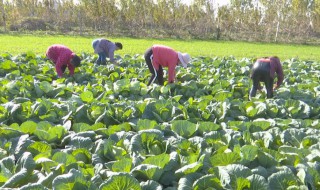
105	129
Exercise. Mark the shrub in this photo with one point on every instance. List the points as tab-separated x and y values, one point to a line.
31	24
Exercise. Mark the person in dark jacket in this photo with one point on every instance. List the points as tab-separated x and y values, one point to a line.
63	57
105	49
159	56
264	70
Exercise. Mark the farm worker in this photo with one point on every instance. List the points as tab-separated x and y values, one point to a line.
264	70
63	57
159	56
105	48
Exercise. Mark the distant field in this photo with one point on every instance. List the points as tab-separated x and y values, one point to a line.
17	44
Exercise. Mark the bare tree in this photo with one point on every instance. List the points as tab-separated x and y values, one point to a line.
276	20
3	16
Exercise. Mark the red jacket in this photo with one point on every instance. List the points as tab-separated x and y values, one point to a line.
61	56
166	57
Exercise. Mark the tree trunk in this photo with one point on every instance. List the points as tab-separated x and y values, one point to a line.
279	13
4	17
218	33
277	31
80	22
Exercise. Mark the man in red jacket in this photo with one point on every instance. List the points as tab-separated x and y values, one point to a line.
264	70
63	57
159	56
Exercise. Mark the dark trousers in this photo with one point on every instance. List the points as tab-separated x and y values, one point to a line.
261	73
102	59
63	68
156	74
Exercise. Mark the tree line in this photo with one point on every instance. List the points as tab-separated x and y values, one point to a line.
250	20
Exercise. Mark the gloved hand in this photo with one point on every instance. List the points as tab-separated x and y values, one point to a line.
275	87
115	62
55	77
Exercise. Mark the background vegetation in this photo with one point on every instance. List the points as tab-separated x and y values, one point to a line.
295	21
17	44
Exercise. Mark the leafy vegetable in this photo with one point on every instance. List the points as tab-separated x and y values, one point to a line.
106	129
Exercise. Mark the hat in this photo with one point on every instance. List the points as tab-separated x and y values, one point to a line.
184	59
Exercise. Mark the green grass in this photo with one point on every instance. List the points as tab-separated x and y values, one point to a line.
17	44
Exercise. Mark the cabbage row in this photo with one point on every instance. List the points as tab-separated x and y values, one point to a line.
105	129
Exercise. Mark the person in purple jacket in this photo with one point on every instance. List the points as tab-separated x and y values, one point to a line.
105	49
264	70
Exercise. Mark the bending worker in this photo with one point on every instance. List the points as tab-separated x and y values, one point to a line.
159	56
63	57
105	49
264	70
